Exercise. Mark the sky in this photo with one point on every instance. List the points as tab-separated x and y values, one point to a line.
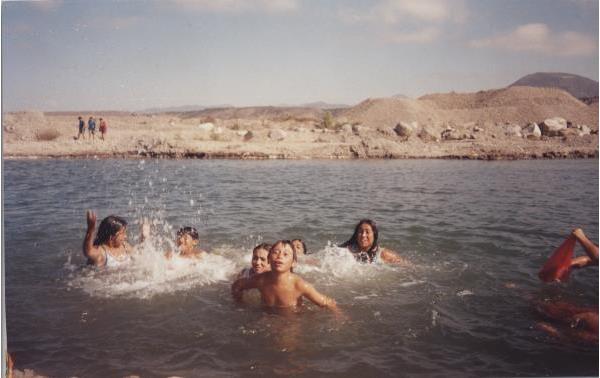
134	55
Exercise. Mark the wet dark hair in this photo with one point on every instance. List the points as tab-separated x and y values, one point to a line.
109	228
266	246
303	245
189	231
352	243
284	242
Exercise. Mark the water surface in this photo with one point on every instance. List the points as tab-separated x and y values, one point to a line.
477	233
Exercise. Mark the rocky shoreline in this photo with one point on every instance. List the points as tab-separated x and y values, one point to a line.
508	124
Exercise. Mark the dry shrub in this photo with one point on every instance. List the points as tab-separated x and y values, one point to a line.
47	135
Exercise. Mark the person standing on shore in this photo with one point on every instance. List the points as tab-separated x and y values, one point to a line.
103	128
92	127
81	128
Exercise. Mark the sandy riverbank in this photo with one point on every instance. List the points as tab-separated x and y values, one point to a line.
483	125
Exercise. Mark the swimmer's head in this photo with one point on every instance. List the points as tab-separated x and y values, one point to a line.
112	231
260	258
187	236
282	256
299	247
365	237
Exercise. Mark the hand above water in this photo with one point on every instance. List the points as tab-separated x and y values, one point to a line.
91	220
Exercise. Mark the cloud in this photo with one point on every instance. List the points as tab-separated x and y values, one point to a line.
238	6
539	38
46	5
402	11
425	35
408	21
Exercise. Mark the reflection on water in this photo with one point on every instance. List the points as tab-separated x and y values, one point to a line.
476	232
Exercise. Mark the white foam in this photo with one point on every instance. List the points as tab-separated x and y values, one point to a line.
151	273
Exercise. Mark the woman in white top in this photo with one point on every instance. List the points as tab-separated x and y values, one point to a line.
110	247
365	248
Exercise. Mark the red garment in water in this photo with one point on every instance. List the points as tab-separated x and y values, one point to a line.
558	266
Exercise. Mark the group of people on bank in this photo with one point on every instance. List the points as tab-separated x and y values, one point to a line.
91	128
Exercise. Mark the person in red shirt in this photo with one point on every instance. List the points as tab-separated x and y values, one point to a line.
103	128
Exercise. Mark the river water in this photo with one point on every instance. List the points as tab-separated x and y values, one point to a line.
476	232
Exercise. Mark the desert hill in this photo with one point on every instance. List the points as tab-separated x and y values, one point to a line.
578	86
513	104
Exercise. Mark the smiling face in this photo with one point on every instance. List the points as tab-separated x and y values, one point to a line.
365	237
260	261
281	257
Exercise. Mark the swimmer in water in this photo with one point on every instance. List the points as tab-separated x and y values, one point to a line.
260	261
299	247
110	247
187	243
364	245
590	249
280	287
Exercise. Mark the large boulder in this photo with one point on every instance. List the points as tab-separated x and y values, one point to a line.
405	129
552	126
277	134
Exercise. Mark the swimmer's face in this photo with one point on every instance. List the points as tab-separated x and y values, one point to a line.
260	261
298	247
281	258
365	236
186	241
119	238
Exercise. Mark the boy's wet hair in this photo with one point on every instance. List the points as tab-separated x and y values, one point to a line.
353	241
109	228
303	245
187	230
265	246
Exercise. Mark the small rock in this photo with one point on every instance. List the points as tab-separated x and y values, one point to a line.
584	130
427	136
241	132
387	131
477	129
346	128
532	131
208	126
249	135
513	131
277	134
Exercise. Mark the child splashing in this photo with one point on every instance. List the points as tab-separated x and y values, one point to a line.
187	243
280	287
110	247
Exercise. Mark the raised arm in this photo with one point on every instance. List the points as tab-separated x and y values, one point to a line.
590	248
90	251
238	287
393	258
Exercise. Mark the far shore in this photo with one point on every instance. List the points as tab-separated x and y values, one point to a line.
507	124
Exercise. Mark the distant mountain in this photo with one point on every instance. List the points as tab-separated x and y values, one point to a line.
324	105
578	86
182	108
